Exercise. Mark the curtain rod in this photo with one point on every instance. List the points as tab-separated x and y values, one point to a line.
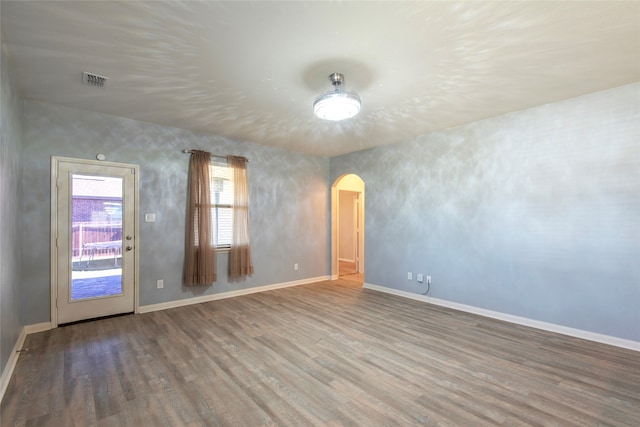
214	155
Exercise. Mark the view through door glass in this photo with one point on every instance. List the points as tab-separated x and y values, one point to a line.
96	224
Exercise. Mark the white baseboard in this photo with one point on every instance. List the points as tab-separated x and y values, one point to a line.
13	358
551	327
213	297
7	372
37	327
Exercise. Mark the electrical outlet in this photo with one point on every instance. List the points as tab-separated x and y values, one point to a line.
409	276
295	267
428	280
160	284
420	277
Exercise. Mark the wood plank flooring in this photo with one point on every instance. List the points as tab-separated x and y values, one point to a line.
325	354
346	267
347	271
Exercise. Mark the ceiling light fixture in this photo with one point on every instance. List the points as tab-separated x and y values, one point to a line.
337	104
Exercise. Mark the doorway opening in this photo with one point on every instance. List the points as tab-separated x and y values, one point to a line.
347	225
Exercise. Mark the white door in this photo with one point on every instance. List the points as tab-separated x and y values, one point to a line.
94	226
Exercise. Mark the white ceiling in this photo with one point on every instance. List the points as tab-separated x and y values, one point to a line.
251	70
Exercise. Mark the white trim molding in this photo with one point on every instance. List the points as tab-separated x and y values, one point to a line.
11	363
230	294
38	327
7	373
551	327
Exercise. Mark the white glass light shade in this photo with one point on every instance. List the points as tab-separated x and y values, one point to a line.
336	105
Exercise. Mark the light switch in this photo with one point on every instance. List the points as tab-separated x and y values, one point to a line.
149	217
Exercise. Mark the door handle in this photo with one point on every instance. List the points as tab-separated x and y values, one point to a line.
129	248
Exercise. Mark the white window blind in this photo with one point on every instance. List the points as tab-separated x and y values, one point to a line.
222	203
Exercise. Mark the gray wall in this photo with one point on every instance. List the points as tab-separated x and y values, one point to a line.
10	242
534	213
289	202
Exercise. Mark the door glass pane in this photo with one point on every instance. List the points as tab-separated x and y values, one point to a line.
96	249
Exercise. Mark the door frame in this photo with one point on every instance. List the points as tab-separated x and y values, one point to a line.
355	184
53	278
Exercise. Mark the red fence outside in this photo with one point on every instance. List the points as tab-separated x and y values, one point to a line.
96	240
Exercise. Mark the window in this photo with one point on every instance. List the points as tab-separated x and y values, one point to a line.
220	193
221	177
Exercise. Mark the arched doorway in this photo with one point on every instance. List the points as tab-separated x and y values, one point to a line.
347	228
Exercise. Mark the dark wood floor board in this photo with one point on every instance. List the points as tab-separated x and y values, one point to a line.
218	399
206	397
584	379
104	384
250	391
457	384
300	399
326	354
308	377
374	408
47	397
130	416
295	383
574	407
396	397
80	405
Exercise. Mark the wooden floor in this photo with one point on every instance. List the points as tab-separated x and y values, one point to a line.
329	353
346	268
348	271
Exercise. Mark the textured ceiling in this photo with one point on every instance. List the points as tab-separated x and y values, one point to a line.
251	70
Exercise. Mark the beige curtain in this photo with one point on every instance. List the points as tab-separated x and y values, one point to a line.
200	255
240	263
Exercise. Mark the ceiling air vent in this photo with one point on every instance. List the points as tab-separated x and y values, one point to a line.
94	79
